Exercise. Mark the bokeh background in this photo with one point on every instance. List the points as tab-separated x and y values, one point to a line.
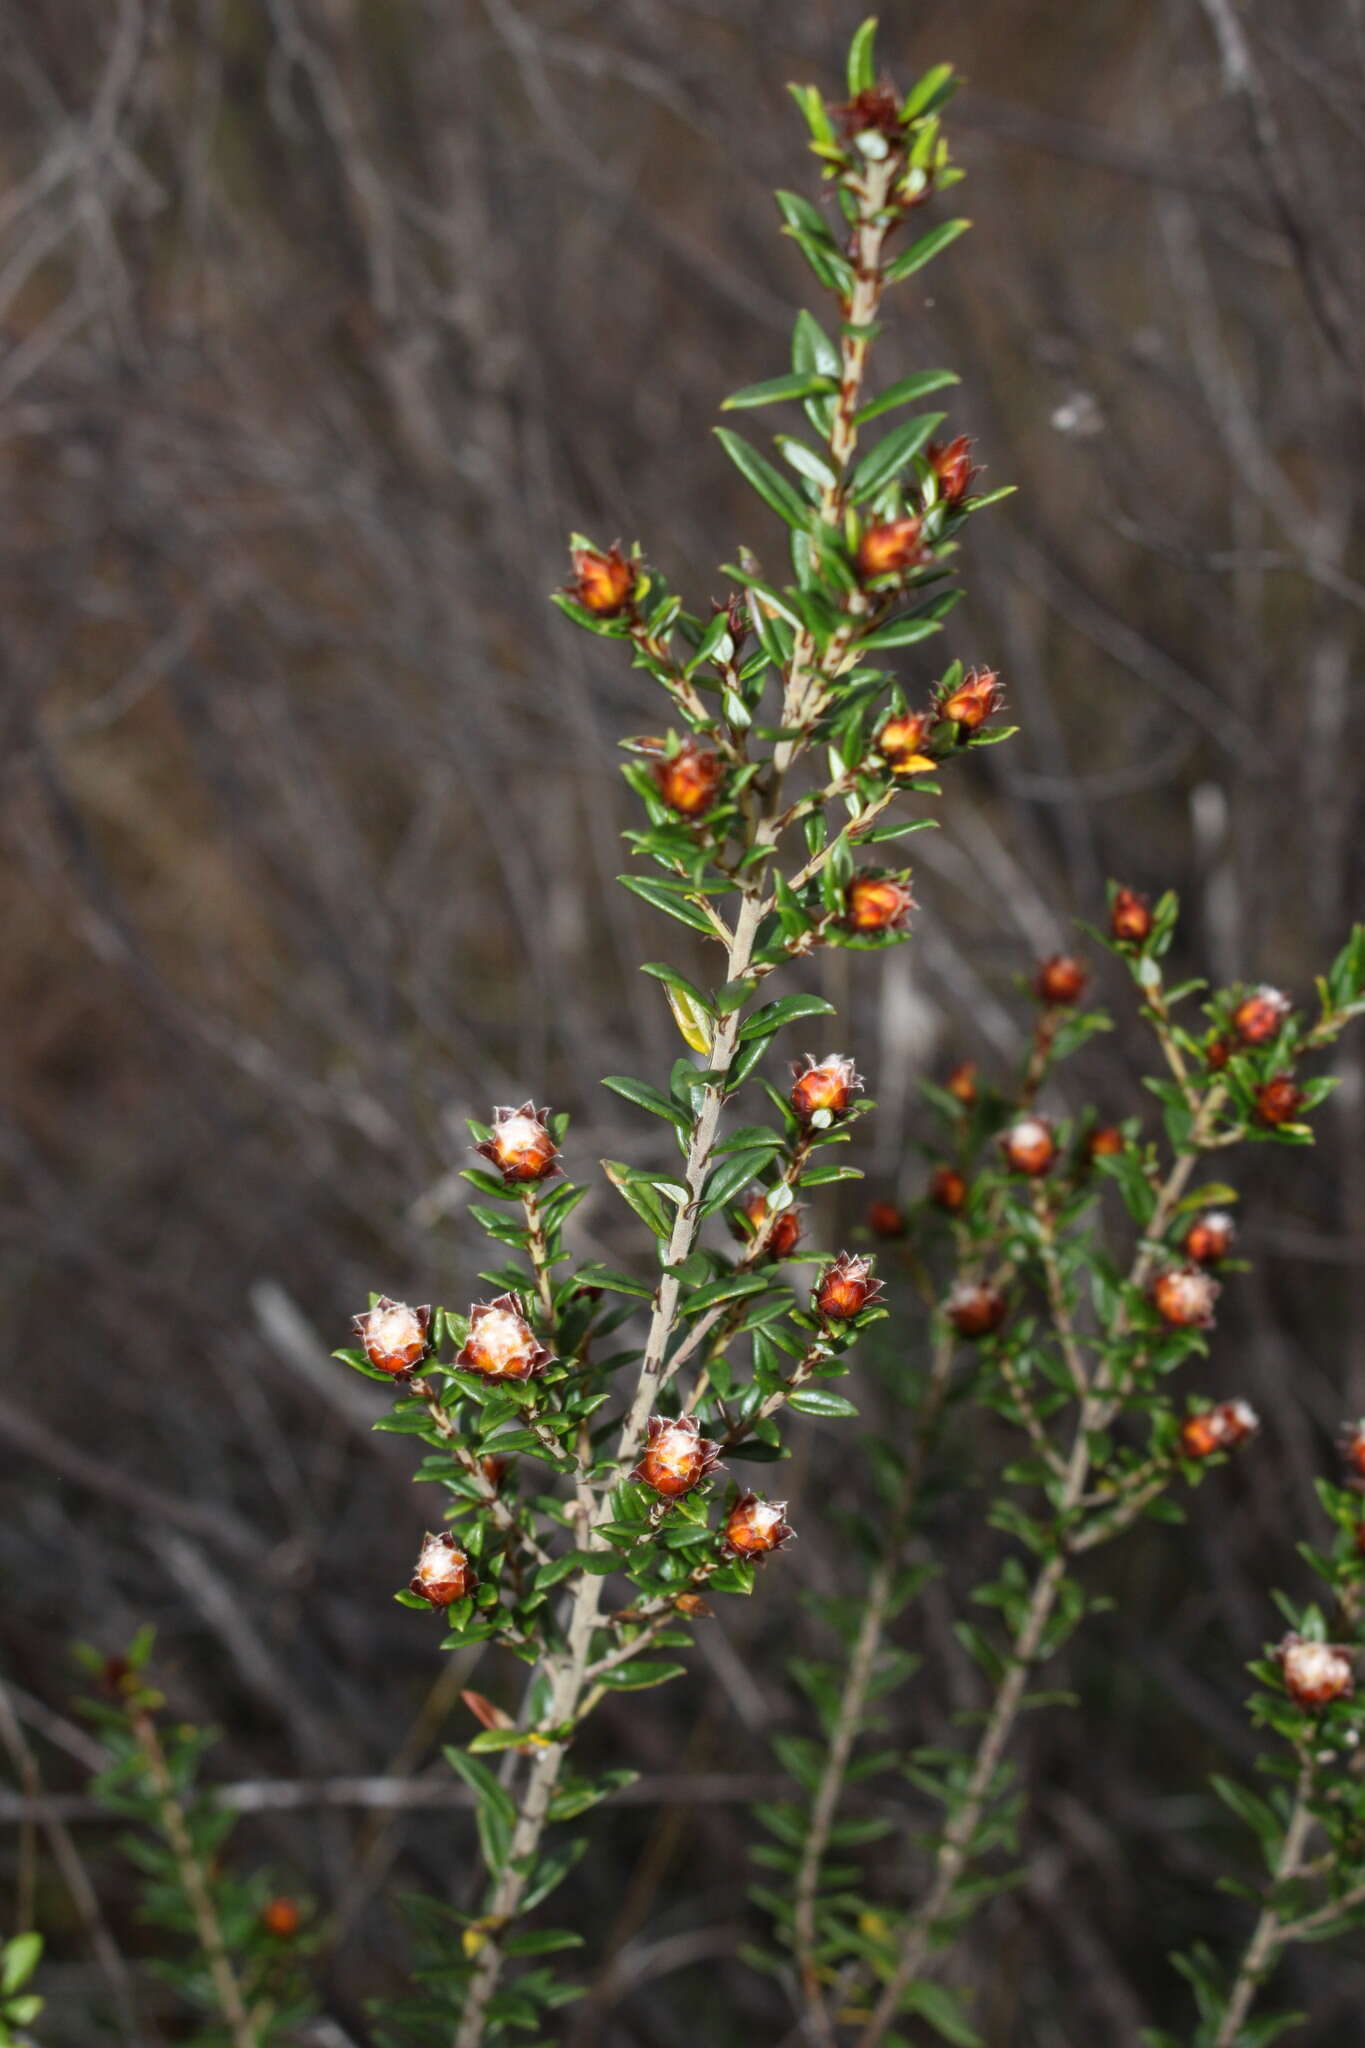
321	323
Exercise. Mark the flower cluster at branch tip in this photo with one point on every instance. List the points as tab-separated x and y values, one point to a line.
444	1573
975	1308
1029	1146
784	1232
824	1087
1184	1297
1258	1017
520	1145
846	1288
1315	1673
1218	1429
501	1343
976	698
689	779
948	1189
903	743
1060	981
952	465
395	1337
1210	1237
1130	918
890	548
756	1528
602	583
676	1456
876	902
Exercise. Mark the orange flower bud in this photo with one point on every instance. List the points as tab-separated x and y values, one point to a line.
876	902
1210	1237
846	1288
884	1219
1130	918
887	549
601	583
829	1084
1184	1296
1218	1429
948	1189
520	1145
1029	1146
1105	1142
281	1917
1217	1053
1278	1100
1060	980
394	1335
952	464
501	1343
676	1456
1316	1673
1258	1017
785	1232
1351	1444
975	699
495	1470
756	1528
693	1606
444	1573
962	1082
975	1308
903	742
689	780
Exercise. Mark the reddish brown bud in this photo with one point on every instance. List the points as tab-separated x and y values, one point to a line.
485	1712
785	1232
520	1145
281	1917
1210	1237
875	107
1316	1673
846	1288
394	1335
501	1343
962	1082
1279	1100
1217	1053
444	1573
1218	1429
952	464
601	583
975	1308
676	1456
693	1606
884	1219
1258	1017
689	780
1184	1297
1351	1444
1130	918
756	1528
975	699
1029	1146
117	1678
877	903
890	548
948	1189
829	1084
1060	981
903	742
1105	1142
495	1470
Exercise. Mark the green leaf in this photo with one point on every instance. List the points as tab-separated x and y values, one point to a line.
812	348
638	1676
905	393
773	390
785	1010
730	1287
925	249
725	1182
938	2006
760	475
614	1282
662	898
641	1198
818	1401
862	68
18	1960
900	633
890	455
645	1097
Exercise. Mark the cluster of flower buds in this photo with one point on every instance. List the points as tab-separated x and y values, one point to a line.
756	1528
1218	1429
520	1145
1130	918
501	1343
783	1229
1315	1673
846	1288
1029	1146
975	699
396	1338
824	1088
676	1456
975	1308
690	778
877	902
1060	981
602	583
903	742
1210	1237
444	1573
1184	1297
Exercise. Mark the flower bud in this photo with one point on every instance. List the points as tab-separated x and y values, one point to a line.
1278	1100
602	583
976	697
1258	1017
394	1336
903	742
829	1084
785	1232
885	1219
948	1189
875	902
1210	1237
1218	1429
676	1456
1351	1444
1316	1673
281	1917
846	1288
756	1528
1060	981
1217	1053
1029	1146
1130	918
961	1083
1184	1296
975	1308
887	549
693	1606
501	1343
1105	1142
495	1470
952	464
875	107
689	780
444	1573
520	1145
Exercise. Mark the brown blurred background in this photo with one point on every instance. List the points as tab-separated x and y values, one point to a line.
321	323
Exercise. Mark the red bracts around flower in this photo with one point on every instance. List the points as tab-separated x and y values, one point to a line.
785	1232
846	1288
281	1917
1184	1297
829	1084
676	1456
395	1336
601	583
1351	1444
948	1189
1258	1017
875	107
1218	1429
1315	1674
1060	981
888	549
961	1083
903	743
1105	1142
689	781
444	1573
1278	1100
501	1343
1029	1146
1130	918
756	1528
1210	1237
520	1145
951	462
975	699
877	903
975	1308
885	1219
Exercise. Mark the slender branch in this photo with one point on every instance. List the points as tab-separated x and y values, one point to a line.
1269	1932
539	1253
